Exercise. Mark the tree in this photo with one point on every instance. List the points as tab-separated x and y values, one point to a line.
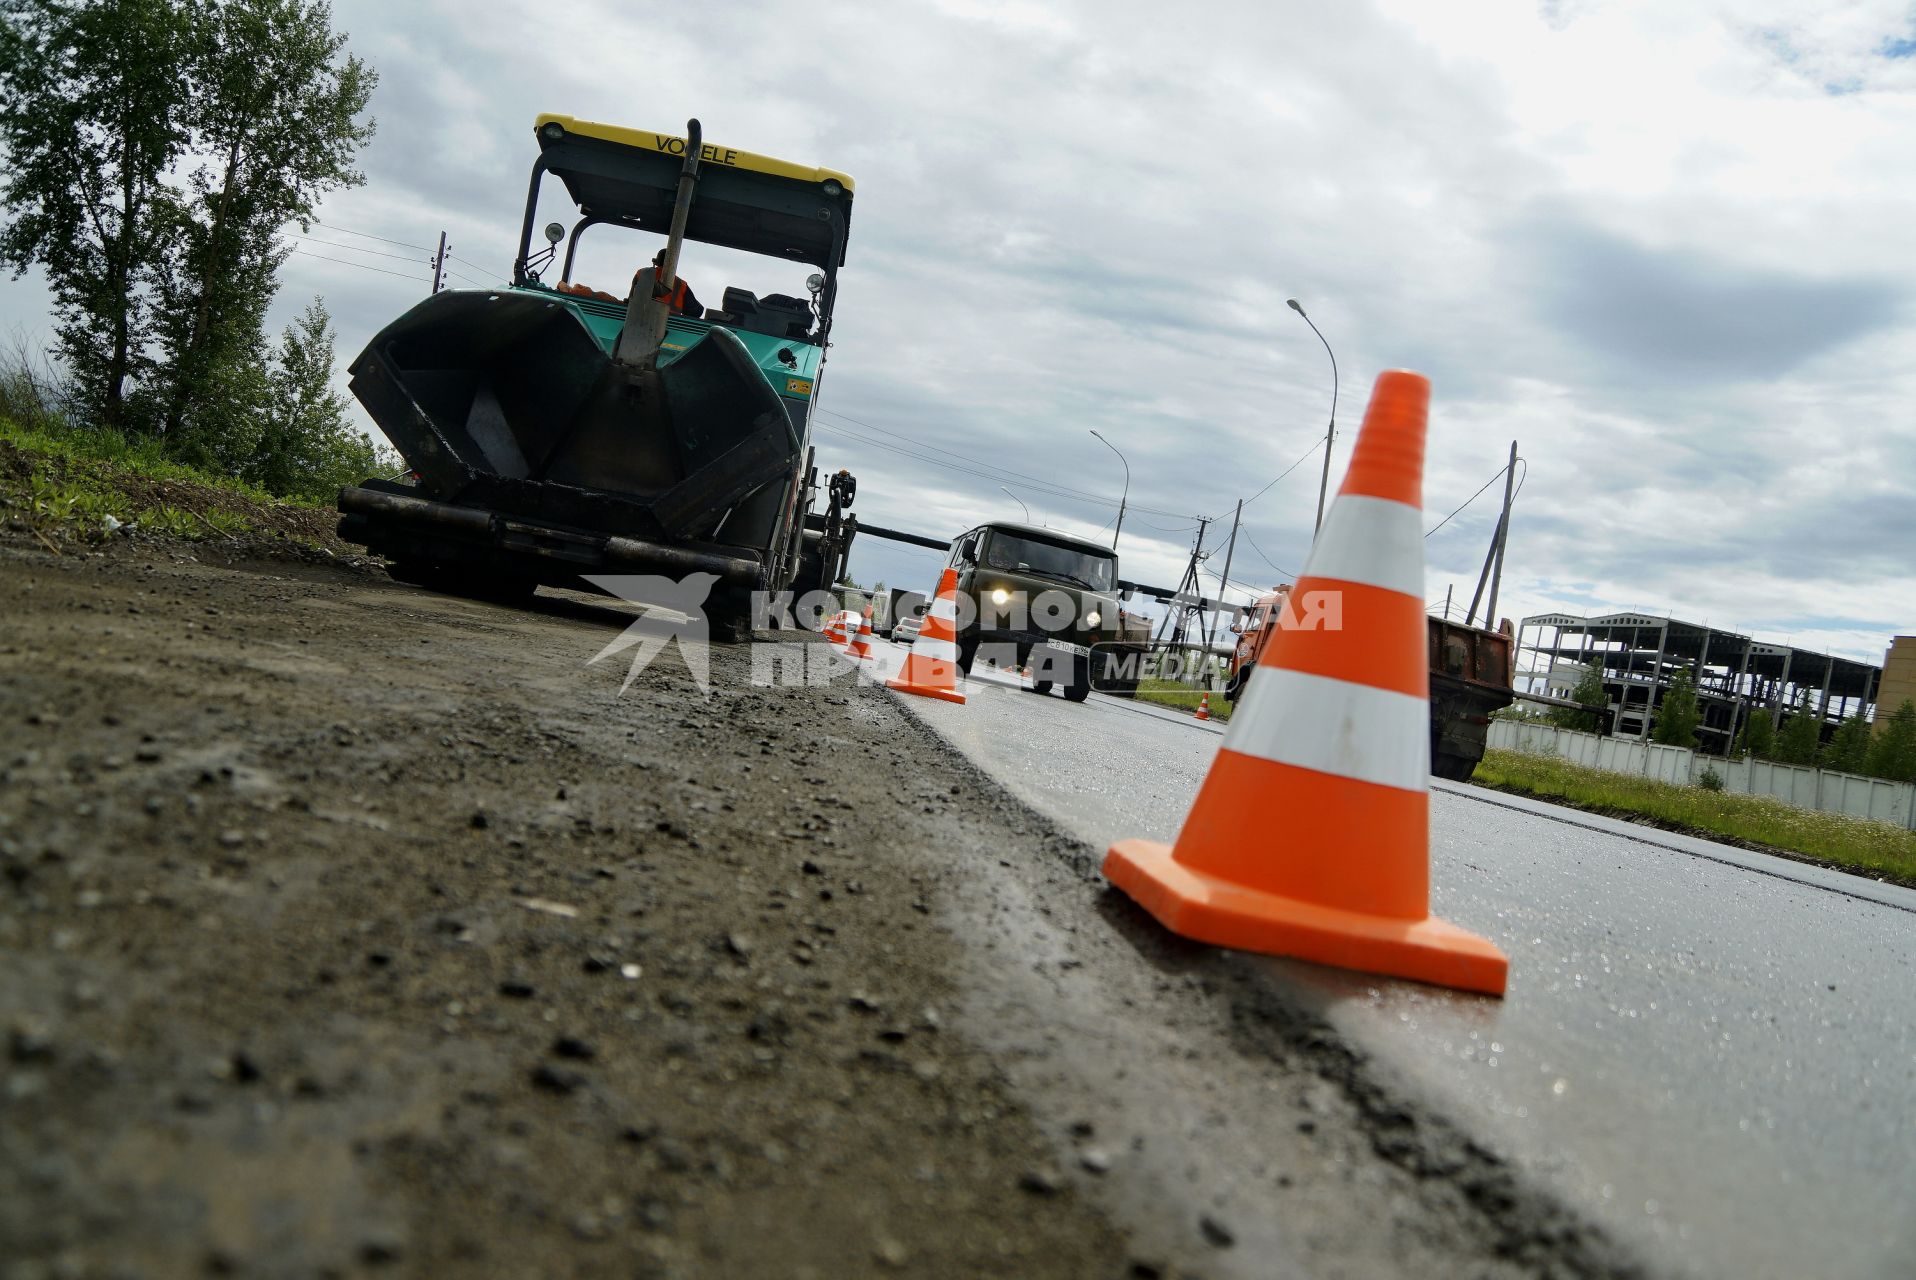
1849	746
1758	736
1800	740
304	445
1589	690
93	115
275	122
1893	754
1677	715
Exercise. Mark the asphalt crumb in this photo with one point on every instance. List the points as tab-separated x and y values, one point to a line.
346	928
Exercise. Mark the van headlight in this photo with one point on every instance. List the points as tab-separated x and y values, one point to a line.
1000	596
1093	618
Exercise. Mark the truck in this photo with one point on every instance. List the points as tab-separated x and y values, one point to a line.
901	606
1471	673
555	432
1038	597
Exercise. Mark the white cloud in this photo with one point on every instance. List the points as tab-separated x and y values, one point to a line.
1077	215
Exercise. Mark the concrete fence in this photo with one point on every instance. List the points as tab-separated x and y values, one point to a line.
1806	788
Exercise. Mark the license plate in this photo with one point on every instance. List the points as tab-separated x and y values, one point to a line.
1065	646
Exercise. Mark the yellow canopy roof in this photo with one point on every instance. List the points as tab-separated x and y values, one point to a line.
709	153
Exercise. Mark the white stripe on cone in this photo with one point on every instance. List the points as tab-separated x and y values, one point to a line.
1333	726
932	647
944	609
1373	541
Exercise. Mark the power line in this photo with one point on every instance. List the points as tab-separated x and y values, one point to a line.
308	253
1286	471
370	236
1271	564
952	453
1183	528
1224	586
984	470
475	266
1480	493
353	248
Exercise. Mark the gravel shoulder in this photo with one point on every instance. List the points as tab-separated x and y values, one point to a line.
349	929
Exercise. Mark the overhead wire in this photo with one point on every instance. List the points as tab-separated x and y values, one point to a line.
1315	446
981	470
1183	528
1269	563
344	262
353	248
972	465
370	236
1223	586
475	266
962	457
1480	493
984	470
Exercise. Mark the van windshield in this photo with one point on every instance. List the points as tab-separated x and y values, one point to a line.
1016	553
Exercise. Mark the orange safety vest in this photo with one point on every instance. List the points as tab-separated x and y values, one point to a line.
676	296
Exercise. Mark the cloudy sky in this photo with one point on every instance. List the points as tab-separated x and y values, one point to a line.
1664	246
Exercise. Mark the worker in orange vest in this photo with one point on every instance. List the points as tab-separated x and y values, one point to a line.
679	297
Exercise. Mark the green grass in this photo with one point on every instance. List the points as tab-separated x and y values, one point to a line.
1182	697
1850	844
85	449
71	485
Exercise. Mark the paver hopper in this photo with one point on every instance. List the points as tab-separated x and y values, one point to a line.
554	431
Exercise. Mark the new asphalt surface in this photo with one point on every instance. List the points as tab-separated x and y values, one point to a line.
1710	1052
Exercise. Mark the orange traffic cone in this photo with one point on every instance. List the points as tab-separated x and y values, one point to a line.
1310	837
835	629
1204	705
860	649
931	668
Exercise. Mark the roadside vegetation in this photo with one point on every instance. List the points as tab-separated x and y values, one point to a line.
1183	697
1836	840
62	487
141	186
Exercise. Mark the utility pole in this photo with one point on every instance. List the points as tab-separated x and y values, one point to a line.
1224	582
1503	538
1494	561
1125	496
439	264
1189	597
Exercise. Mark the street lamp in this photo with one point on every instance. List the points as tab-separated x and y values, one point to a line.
1330	436
1020	501
1127	488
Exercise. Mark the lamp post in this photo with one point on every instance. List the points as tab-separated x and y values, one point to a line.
1127	487
1020	501
1330	436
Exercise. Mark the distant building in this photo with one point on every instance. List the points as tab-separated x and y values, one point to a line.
1899	678
1736	676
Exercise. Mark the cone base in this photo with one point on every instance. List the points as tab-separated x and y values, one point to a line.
925	690
1204	908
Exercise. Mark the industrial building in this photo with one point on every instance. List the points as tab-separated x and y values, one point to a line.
1736	676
